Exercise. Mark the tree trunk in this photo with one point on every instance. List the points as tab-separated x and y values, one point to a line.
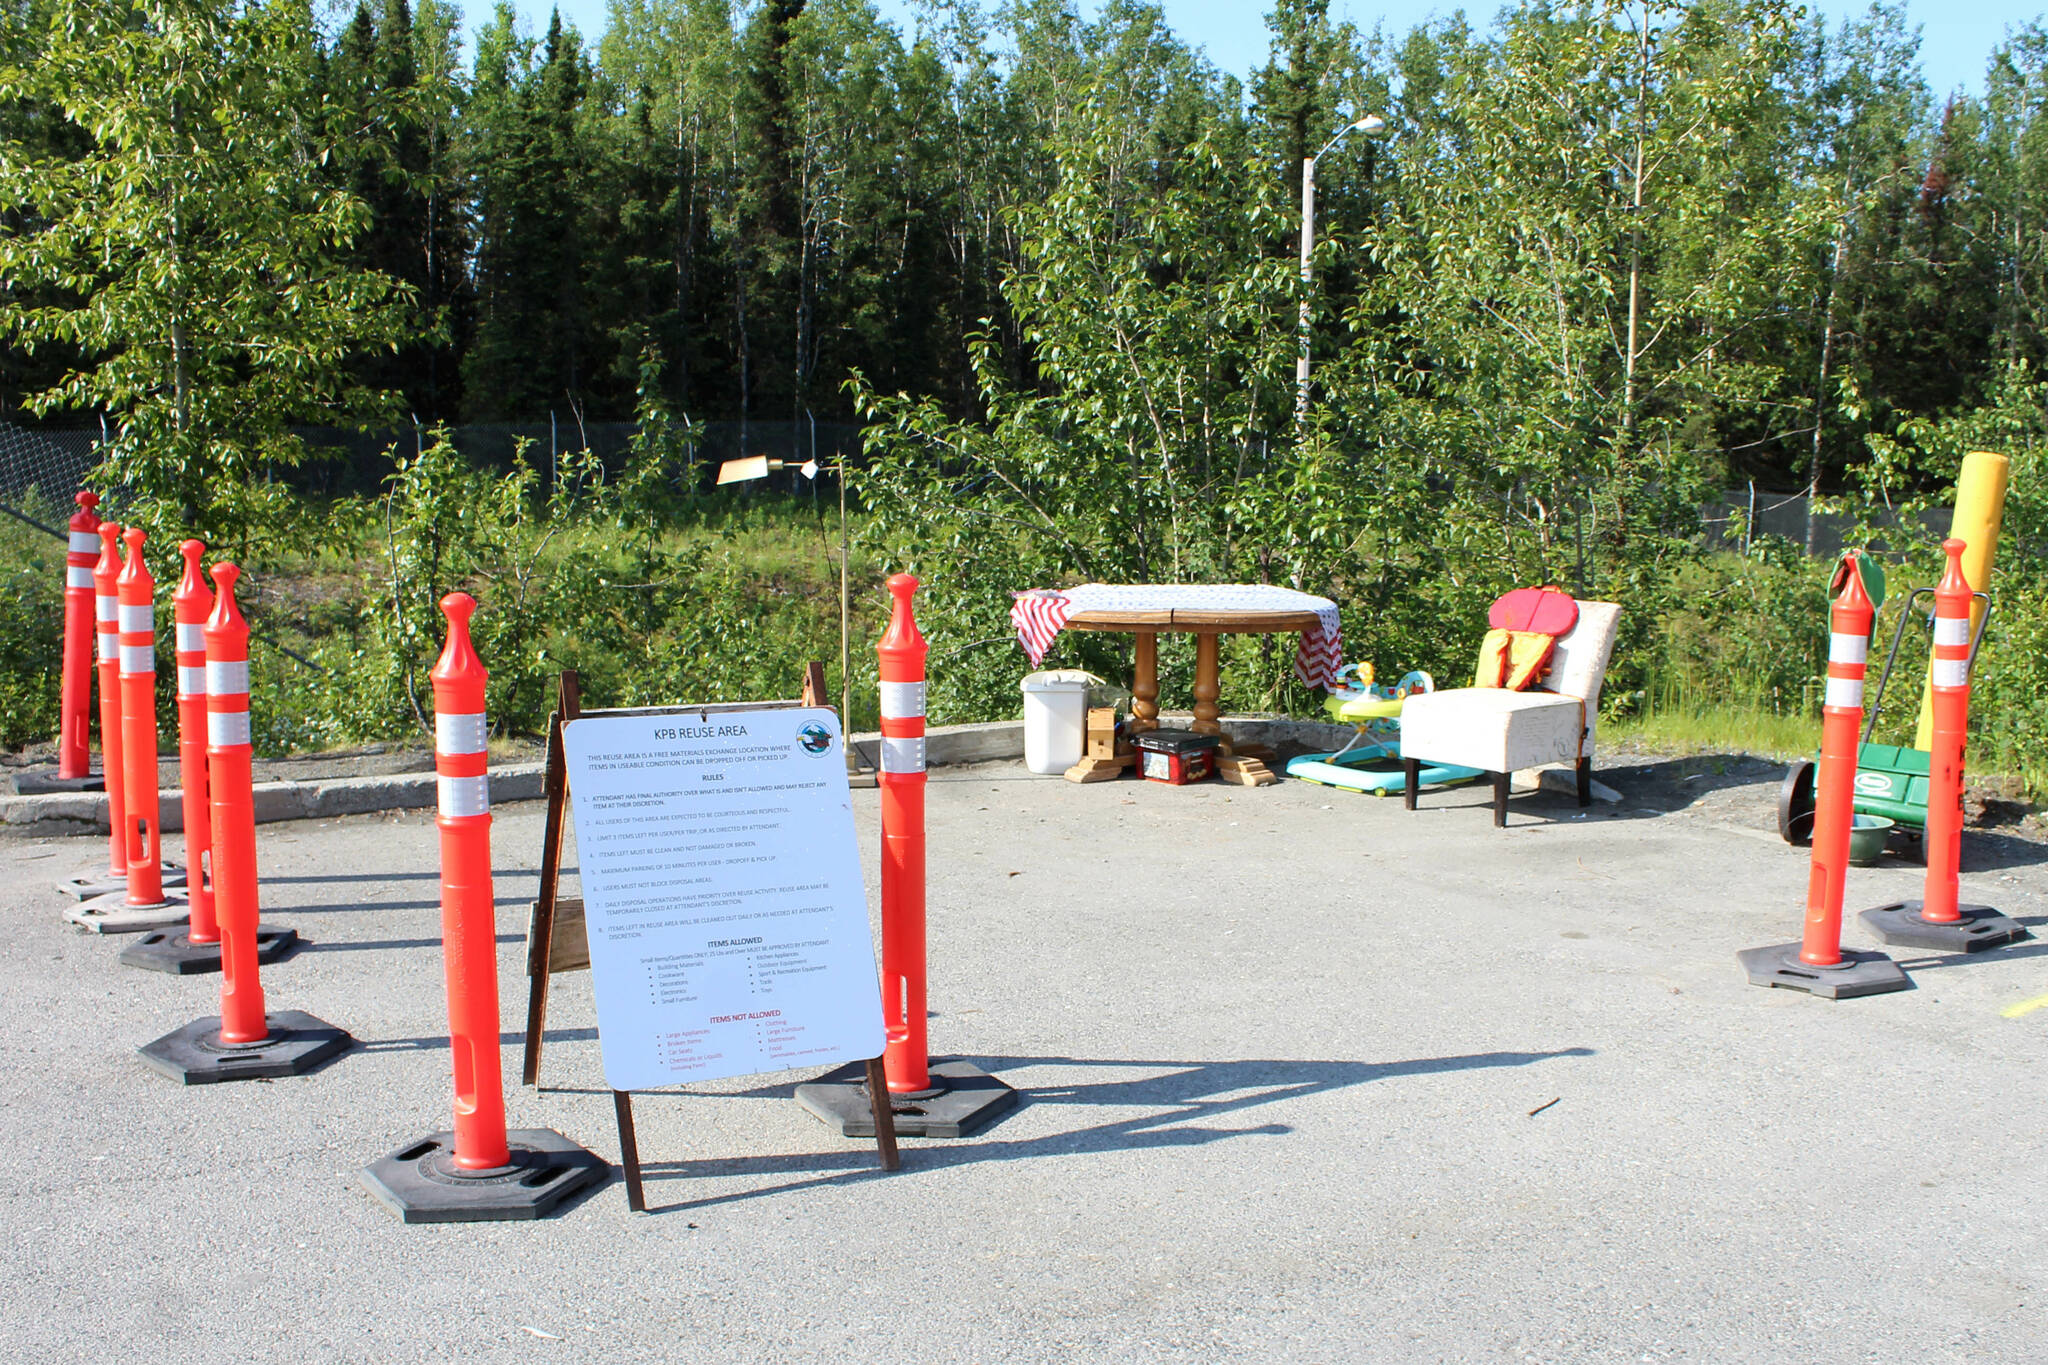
1820	390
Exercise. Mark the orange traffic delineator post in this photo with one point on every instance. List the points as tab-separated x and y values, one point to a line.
74	717
1818	964
950	1098
1939	920
143	904
197	948
478	1172
242	1042
106	572
106	575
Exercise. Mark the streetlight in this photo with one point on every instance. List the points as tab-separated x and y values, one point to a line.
759	467
1371	123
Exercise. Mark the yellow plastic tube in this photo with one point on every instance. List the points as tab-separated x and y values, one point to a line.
1980	507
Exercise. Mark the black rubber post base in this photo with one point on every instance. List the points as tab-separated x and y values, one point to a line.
298	1043
1981	927
169	950
87	885
963	1100
1860	973
421	1183
41	782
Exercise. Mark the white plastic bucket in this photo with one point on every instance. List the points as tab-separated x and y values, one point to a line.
1055	718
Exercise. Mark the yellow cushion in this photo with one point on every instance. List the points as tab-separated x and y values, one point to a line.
1513	659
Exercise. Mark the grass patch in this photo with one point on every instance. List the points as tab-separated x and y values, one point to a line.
1723	727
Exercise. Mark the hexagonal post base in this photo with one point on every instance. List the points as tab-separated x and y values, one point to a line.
1860	973
963	1100
87	885
298	1043
1980	928
421	1183
112	914
167	950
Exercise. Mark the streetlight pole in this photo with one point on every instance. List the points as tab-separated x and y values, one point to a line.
1371	123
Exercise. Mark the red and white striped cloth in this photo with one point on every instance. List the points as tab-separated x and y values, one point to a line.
1039	614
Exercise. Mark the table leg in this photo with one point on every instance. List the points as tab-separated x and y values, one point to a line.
1208	686
1145	683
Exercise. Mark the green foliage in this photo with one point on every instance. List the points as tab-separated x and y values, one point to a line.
32	624
186	253
717	603
1614	257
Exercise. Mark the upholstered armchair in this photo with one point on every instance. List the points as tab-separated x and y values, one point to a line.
1500	732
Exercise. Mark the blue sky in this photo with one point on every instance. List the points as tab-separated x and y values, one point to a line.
1956	35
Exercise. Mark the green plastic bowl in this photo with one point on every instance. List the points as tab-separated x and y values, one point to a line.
1867	835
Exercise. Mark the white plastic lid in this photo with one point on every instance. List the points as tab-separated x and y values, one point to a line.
1058	680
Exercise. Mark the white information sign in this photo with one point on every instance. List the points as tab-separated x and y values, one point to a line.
722	894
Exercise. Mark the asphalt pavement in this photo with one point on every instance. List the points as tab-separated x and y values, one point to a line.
1306	1077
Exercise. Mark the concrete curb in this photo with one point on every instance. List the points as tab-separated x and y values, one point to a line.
86	812
60	813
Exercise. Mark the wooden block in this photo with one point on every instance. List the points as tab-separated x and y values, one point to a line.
1264	753
1101	732
1098	769
569	947
1246	772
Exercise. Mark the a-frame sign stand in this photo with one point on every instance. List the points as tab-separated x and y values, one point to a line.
556	940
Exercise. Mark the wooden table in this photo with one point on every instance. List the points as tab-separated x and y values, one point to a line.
1205	626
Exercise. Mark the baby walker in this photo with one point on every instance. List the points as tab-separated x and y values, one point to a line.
1371	760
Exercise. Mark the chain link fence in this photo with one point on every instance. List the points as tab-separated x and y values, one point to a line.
41	468
357	462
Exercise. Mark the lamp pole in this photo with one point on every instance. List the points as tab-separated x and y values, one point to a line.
759	467
1371	123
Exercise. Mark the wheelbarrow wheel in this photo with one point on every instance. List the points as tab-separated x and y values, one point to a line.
1795	804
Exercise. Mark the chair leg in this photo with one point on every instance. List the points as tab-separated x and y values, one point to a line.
1585	781
1500	800
1411	768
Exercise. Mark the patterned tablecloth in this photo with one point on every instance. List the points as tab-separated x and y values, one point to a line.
1040	613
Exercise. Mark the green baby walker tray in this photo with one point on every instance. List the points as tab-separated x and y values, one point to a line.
1371	762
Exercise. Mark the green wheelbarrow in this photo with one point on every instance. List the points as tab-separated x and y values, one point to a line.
1891	779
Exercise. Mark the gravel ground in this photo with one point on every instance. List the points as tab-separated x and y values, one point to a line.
1307	1077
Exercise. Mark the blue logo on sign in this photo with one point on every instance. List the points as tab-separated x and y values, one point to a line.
814	738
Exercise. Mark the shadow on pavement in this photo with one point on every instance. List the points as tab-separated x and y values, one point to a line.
1669	784
1186	1102
1931	961
334	909
553	1035
1987	851
381	944
392	876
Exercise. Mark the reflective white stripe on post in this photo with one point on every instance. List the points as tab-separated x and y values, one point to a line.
191	681
462	796
225	728
191	638
903	700
106	609
85	543
78	576
135	619
1847	649
110	646
1845	692
227	677
138	659
903	755
1951	673
459	733
1952	630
